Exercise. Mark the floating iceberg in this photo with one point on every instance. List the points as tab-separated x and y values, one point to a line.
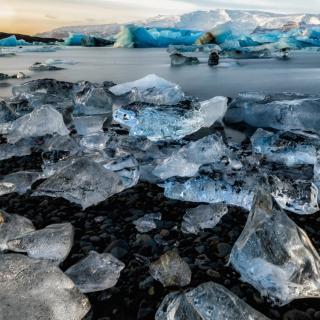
203	217
13	42
170	122
171	270
275	256
178	59
96	272
142	37
31	287
12	226
53	243
38	66
208	301
41	121
74	40
283	111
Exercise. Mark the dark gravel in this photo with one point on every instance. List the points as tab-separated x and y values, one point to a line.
108	228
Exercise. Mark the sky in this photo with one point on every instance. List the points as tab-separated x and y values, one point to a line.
34	16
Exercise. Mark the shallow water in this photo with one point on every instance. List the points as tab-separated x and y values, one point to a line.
301	73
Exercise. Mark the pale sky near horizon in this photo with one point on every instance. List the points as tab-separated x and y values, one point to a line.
33	16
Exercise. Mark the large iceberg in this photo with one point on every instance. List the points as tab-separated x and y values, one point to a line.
132	36
13	42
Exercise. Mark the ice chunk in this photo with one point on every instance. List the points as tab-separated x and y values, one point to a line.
295	195
41	121
38	66
170	122
54	242
284	111
32	288
96	272
178	59
59	61
275	256
21	148
6	187
208	301
148	222
95	141
203	217
186	161
12	226
171	270
288	148
213	58
248	53
86	125
91	99
151	89
21	180
209	190
84	182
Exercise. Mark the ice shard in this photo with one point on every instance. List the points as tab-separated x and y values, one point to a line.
186	161
283	111
210	190
6	187
41	121
31	288
84	182
208	301
148	222
151	89
161	123
12	226
171	270
275	256
53	242
203	217
96	272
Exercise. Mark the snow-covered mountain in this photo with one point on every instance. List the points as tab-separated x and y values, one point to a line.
243	20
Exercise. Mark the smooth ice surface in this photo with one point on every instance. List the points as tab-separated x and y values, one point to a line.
32	289
203	217
185	162
288	148
96	272
275	256
53	242
22	180
151	89
283	111
208	190
208	301
84	182
86	125
171	270
41	121
12	226
148	222
159	123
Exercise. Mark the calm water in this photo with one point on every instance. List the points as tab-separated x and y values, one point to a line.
301	73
